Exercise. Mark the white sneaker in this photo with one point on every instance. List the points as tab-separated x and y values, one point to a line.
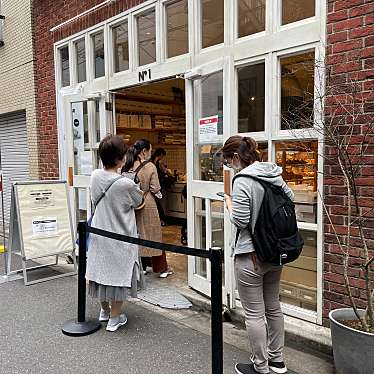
116	322
104	316
166	274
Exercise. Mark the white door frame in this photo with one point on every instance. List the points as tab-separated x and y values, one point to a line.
80	181
207	190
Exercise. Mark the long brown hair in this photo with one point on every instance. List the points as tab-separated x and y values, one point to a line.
245	148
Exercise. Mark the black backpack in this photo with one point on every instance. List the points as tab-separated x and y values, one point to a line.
276	237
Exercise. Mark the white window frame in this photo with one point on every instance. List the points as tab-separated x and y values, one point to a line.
75	58
59	66
261	136
91	50
146	9
198	40
164	28
235	24
278	10
110	43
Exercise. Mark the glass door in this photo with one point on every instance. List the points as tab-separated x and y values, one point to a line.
205	107
87	122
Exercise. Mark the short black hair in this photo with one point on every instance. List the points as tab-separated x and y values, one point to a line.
111	150
157	153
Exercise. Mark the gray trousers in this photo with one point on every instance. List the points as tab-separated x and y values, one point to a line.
258	286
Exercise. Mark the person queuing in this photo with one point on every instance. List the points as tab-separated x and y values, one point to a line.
139	168
113	267
258	282
157	157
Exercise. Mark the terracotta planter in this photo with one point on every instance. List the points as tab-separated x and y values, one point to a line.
353	349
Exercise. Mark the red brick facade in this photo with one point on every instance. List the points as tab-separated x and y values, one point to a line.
47	14
350	56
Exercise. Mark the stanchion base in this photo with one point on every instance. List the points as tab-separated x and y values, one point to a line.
75	328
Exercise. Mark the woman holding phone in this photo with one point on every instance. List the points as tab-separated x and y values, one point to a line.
258	282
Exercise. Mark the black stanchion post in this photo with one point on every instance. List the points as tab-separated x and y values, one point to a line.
82	234
216	300
81	326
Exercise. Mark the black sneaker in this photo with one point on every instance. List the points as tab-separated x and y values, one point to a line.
278	367
245	369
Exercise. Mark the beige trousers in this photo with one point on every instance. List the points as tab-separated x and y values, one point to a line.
258	286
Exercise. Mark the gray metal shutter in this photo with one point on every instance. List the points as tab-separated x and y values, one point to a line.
14	156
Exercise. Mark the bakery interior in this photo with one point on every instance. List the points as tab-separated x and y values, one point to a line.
156	112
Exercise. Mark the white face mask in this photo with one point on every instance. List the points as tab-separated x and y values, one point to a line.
234	167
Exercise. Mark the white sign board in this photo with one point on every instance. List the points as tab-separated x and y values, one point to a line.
41	224
210	130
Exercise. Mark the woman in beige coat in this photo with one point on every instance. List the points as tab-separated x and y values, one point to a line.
139	168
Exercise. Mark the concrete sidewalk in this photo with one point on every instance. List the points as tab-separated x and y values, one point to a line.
154	341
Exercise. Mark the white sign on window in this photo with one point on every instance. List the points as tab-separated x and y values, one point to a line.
210	130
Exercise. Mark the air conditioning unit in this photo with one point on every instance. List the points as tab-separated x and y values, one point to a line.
1	30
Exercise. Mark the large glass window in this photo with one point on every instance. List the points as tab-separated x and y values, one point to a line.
299	162
251	17
299	278
209	127
65	66
200	232
296	10
99	55
177	33
297	91
121	47
251	94
80	51
97	121
212	22
147	38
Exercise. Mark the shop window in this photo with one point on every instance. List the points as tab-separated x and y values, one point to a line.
97	121
200	239
121	47
99	55
217	210
80	52
251	94
65	66
251	17
296	10
85	125
212	22
263	150
299	162
209	127
299	278
177	28
147	38
297	91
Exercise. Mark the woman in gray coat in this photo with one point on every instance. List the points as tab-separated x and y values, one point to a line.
258	282
113	268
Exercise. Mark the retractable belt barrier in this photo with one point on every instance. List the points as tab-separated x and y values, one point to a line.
82	326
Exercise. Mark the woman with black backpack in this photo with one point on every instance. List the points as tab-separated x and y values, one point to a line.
258	282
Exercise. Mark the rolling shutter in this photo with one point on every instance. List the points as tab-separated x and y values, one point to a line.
14	156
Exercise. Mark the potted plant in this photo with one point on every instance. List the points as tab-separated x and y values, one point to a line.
342	116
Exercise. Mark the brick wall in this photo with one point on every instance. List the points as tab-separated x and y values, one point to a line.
17	88
350	56
47	14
